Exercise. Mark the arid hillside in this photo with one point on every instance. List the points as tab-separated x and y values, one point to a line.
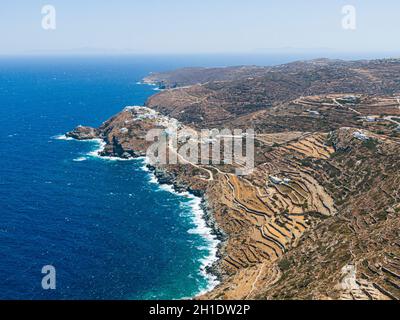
217	103
318	217
330	232
191	76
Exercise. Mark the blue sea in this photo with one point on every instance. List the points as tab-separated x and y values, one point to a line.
109	230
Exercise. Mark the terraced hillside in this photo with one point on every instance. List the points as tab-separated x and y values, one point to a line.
318	217
329	232
217	103
276	204
325	113
354	254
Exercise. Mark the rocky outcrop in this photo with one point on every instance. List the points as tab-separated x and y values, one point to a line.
83	133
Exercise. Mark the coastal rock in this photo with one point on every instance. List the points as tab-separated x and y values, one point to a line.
163	176
83	133
126	155
196	192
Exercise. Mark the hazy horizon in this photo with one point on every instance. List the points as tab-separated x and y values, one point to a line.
194	27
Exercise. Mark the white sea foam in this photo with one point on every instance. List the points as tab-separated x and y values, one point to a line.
62	137
201	228
96	152
202	248
204	231
101	145
80	159
153	179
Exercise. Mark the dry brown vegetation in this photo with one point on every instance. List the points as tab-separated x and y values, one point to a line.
330	228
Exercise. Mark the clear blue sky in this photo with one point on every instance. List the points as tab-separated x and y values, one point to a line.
201	26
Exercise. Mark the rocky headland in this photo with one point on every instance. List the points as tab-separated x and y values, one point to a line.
318	218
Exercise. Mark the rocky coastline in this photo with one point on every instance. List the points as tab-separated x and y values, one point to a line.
323	197
168	178
163	177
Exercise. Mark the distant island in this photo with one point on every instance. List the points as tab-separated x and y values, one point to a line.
318	218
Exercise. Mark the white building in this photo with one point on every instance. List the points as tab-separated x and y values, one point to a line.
277	180
360	136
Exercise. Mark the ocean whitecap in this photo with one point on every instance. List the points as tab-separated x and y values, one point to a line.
62	137
200	228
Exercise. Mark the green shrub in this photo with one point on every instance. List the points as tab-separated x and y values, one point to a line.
370	144
284	264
